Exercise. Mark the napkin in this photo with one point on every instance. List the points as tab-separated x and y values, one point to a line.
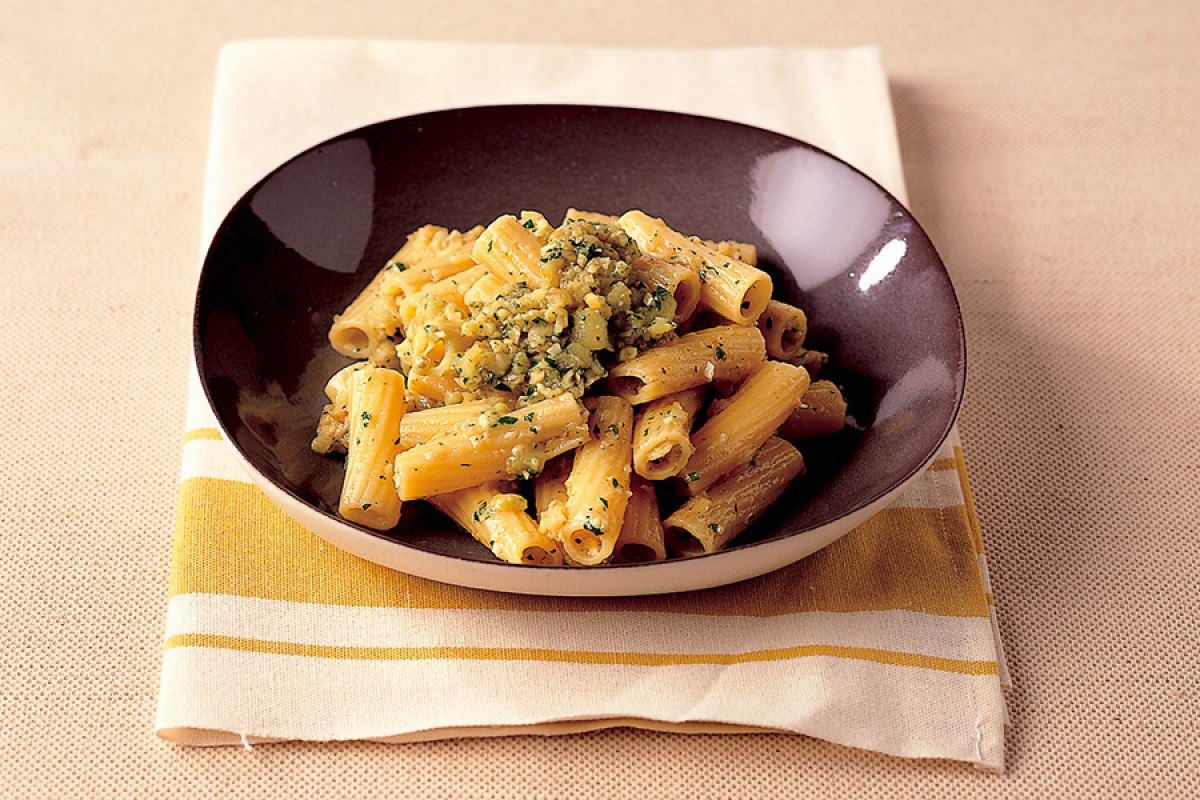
885	640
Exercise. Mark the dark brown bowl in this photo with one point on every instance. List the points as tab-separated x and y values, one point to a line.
304	240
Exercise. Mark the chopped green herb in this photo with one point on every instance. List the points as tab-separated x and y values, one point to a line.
506	420
693	476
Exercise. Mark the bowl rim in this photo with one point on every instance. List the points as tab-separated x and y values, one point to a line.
283	495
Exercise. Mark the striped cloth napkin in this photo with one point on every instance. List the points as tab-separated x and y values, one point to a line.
885	640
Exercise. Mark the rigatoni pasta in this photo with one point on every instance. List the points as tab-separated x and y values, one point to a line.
752	415
737	291
429	253
723	353
642	537
822	411
495	446
510	250
375	409
708	521
677	280
497	519
609	389
783	328
597	488
662	434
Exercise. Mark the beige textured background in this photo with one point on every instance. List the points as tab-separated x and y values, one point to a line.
1051	150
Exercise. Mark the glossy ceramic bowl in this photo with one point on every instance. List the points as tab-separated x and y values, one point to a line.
304	240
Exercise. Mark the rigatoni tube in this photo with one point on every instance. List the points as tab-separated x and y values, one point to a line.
707	522
498	520
376	406
497	447
450	289
418	427
662	434
550	494
431	254
598	485
726	353
511	251
783	327
822	411
733	289
752	415
641	538
681	281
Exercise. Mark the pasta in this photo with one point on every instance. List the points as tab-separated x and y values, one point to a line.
550	492
681	282
734	289
707	522
822	411
495	446
511	251
607	390
642	537
662	434
726	353
420	426
376	408
497	519
729	438
429	253
783	328
597	488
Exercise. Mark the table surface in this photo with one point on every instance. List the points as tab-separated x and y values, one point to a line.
1051	149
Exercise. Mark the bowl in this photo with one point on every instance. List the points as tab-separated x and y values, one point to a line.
300	244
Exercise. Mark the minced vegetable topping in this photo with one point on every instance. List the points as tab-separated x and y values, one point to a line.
532	343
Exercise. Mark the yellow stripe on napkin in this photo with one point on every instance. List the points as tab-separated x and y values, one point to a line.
230	538
607	657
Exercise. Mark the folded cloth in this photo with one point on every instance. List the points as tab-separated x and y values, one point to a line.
885	640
